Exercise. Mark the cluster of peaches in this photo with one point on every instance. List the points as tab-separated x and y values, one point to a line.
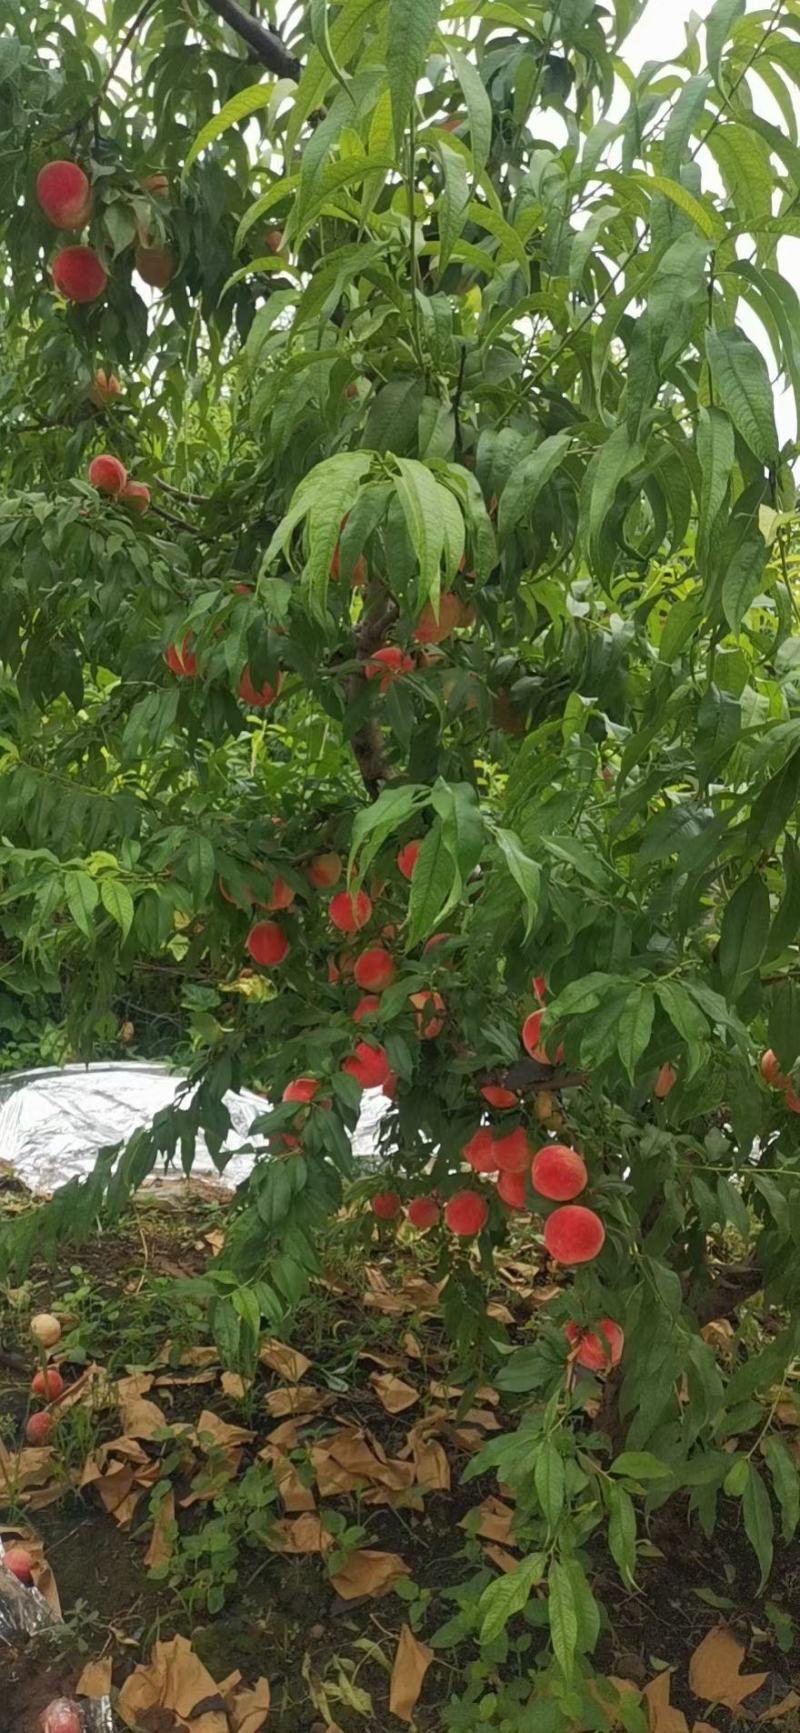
65	197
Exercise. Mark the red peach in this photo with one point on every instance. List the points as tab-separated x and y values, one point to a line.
301	1089
107	474
386	1205
466	1214
598	1349
156	185
423	1213
281	896
512	1153
267	943
479	1152
64	195
370	1067
273	238
350	912
433	627
426	1005
78	274
39	1427
558	1172
374	969
155	265
511	1188
180	658
61	1717
665	1081
406	862
105	386
387	665
136	495
771	1071
497	1096
258	697
324	870
573	1234
18	1561
48	1384
366	1007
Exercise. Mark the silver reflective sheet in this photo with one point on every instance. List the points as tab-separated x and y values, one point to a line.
54	1121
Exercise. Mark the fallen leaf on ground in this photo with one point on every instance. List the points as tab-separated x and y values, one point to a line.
247	1709
411	1663
431	1466
294	1496
714	1670
661	1717
778	1710
95	1680
494	1521
297	1401
301	1534
174	1678
233	1385
159	1552
289	1363
94	1382
213	1433
393	1393
505	1561
141	1418
368	1573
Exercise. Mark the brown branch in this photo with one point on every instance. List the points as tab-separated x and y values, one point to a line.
178	493
266	46
734	1284
367	742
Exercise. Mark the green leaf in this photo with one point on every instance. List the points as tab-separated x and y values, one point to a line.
757	1513
718	26
622	1533
549	1481
742	387
743	934
563	1617
507	1595
420	497
82	898
684	1014
715	450
526	481
635	1024
786	1483
707	221
640	1465
786	923
410	28
524	871
479	108
433	876
743	579
199	856
245	102
373	824
118	903
452	203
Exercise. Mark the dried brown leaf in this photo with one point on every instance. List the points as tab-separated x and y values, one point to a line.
297	1401
661	1717
505	1561
233	1385
778	1710
301	1534
366	1572
159	1552
289	1363
95	1680
494	1521
411	1662
43	1577
714	1670
393	1393
174	1679
248	1709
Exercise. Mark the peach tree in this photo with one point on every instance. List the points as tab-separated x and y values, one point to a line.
398	690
